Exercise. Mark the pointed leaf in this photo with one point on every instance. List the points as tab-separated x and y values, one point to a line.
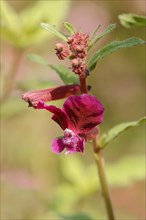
112	47
71	29
132	20
113	133
110	28
95	32
53	30
38	59
67	76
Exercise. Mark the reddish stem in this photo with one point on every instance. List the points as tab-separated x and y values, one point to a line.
83	84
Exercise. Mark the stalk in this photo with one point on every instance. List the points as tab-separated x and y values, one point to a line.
103	180
100	165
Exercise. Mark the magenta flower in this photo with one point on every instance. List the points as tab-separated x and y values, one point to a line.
78	117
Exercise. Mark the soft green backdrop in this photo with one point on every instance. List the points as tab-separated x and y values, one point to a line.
36	183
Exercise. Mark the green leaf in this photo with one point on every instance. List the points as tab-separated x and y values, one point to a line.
53	30
38	59
110	28
113	133
112	47
95	32
71	29
67	76
132	20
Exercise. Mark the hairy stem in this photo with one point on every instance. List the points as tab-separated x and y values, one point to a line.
103	180
83	84
10	77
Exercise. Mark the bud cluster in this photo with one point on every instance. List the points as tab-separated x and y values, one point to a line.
76	51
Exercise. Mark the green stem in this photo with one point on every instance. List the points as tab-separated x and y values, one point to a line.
102	176
100	164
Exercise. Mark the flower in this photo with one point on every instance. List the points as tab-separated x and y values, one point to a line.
62	51
76	51
79	116
78	67
51	94
78	44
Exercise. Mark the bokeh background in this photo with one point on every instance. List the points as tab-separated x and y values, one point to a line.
36	183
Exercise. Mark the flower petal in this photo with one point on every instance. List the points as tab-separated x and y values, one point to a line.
80	147
59	115
84	112
57	145
60	92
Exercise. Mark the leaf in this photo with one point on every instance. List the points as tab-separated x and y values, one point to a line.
113	133
53	30
71	29
110	28
95	32
112	47
67	76
38	59
132	20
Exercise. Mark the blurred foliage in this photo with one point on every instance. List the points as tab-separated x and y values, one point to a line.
36	184
24	29
132	20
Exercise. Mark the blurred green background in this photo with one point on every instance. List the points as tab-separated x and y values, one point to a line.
36	183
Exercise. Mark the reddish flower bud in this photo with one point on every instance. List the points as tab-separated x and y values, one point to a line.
45	95
78	67
78	44
62	51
